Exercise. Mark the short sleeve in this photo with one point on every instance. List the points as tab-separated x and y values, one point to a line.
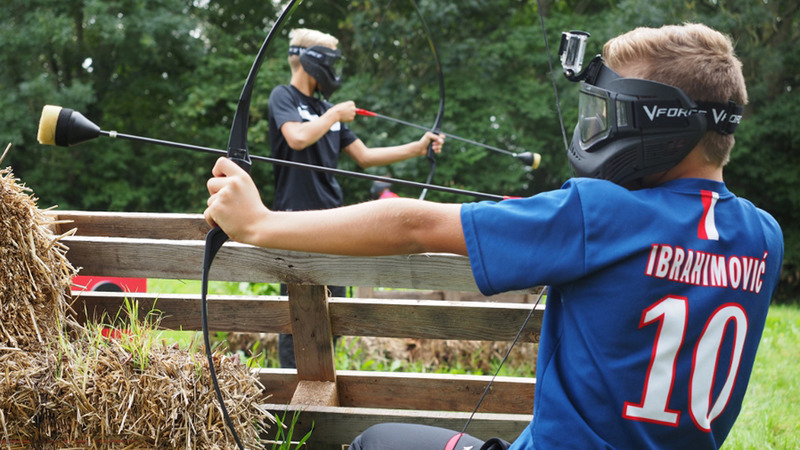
520	243
283	107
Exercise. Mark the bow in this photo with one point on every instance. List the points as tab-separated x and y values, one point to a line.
237	152
437	124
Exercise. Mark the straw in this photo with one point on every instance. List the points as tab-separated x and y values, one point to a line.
65	385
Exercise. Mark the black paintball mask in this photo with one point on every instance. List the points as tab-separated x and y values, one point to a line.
629	128
323	64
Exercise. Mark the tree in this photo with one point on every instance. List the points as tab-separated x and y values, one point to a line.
123	64
174	70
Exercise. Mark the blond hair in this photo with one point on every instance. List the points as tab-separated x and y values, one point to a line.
693	57
304	37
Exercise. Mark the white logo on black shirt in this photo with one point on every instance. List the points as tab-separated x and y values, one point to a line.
307	116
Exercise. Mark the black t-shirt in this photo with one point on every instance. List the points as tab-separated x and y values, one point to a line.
300	189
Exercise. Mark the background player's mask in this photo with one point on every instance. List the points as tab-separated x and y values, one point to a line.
628	127
320	62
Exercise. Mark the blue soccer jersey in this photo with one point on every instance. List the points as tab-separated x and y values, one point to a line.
658	300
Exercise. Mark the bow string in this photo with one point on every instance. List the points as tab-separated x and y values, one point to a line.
437	124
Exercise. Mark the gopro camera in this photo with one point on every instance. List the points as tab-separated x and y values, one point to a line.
571	51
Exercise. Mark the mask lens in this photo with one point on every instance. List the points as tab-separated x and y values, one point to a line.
331	59
592	116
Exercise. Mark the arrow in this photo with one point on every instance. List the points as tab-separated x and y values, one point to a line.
530	159
65	127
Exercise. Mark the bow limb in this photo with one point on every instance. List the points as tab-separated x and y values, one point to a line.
437	125
237	142
237	152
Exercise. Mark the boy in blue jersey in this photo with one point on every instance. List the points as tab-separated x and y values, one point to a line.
660	278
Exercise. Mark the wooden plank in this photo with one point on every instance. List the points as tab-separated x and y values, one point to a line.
457	296
176	259
164	226
279	384
135	225
428	319
170	246
444	392
334	427
311	330
404	390
245	314
435	319
316	393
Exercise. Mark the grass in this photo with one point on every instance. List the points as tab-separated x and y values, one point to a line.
770	416
286	433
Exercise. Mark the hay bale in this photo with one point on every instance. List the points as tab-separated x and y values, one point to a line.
63	385
35	274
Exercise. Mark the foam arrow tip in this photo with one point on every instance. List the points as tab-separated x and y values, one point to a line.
65	127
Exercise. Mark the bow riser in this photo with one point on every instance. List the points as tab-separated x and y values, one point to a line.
237	152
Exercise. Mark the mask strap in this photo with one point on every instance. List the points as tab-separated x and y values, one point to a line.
295	50
722	118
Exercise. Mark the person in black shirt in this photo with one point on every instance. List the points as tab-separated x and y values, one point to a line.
305	127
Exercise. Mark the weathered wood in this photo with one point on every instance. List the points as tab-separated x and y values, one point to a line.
456	296
442	392
316	393
233	313
171	246
434	319
279	384
303	268
404	390
429	319
313	345
337	426
182	259
133	225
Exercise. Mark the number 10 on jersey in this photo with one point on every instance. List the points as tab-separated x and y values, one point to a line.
671	315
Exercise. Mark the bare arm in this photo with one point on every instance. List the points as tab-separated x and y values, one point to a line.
300	135
385	227
379	156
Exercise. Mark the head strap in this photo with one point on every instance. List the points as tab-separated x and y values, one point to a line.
722	118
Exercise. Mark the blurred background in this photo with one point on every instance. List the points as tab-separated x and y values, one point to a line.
174	69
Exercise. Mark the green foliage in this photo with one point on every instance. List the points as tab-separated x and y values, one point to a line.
174	70
123	64
214	287
137	334
286	433
497	87
765	168
351	355
765	164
